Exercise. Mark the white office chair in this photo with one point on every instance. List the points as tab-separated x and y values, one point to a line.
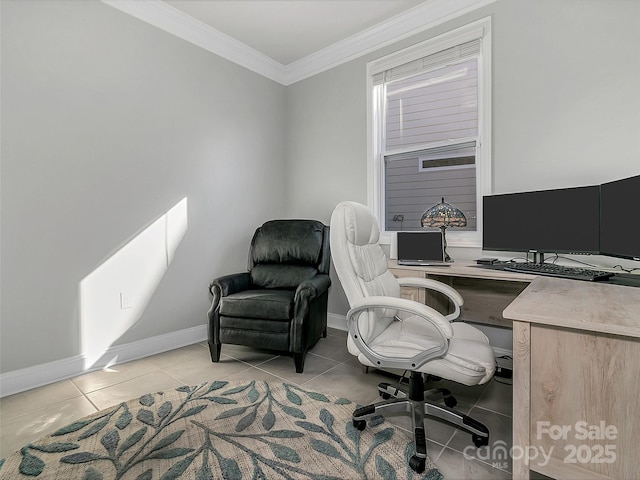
387	331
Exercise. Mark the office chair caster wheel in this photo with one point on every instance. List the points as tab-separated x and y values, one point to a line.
360	424
479	441
385	396
450	401
417	464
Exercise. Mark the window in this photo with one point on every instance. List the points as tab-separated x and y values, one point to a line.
429	130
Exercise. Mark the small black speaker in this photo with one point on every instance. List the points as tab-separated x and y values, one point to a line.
486	261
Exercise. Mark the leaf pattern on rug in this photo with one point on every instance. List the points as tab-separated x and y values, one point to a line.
229	430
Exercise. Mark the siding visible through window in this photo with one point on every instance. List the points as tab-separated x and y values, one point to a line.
409	192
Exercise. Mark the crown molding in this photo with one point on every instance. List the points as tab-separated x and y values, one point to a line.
178	23
415	20
399	27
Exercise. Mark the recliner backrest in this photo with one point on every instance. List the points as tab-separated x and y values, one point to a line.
285	252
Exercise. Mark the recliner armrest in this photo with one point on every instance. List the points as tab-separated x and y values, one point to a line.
313	287
308	290
229	284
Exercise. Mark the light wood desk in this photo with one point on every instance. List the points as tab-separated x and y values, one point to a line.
576	366
486	292
576	348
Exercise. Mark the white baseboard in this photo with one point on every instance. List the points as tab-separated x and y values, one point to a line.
31	377
151	346
337	321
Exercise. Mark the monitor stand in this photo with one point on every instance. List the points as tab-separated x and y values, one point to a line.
535	257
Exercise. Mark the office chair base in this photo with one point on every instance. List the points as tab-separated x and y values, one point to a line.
387	391
411	401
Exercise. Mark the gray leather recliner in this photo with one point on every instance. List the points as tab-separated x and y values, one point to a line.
280	303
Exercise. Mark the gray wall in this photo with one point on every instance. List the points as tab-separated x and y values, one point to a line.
566	106
107	123
326	140
566	97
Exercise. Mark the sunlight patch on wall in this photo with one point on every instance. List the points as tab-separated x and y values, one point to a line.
114	296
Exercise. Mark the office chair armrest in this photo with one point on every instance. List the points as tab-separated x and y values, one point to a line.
439	322
427	283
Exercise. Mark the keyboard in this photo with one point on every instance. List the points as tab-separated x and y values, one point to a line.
553	270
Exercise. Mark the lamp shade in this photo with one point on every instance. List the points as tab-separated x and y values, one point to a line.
443	214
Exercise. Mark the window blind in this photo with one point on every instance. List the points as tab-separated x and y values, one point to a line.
439	106
440	59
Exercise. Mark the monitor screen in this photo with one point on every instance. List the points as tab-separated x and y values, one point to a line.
553	221
420	246
619	221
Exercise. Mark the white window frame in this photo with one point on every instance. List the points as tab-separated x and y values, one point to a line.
375	162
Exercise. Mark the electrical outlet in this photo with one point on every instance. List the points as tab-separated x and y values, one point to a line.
125	301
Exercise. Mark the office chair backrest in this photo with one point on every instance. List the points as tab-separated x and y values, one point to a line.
360	262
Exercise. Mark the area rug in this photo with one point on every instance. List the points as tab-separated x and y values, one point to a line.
222	430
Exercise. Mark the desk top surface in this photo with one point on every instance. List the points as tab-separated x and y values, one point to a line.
467	269
589	306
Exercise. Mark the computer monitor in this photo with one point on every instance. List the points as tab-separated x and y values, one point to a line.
619	220
563	220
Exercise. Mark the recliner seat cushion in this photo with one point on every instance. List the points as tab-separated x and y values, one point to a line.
269	304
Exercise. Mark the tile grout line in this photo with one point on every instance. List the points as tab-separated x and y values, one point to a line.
85	395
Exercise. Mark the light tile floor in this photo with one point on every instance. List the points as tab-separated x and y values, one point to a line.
329	368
